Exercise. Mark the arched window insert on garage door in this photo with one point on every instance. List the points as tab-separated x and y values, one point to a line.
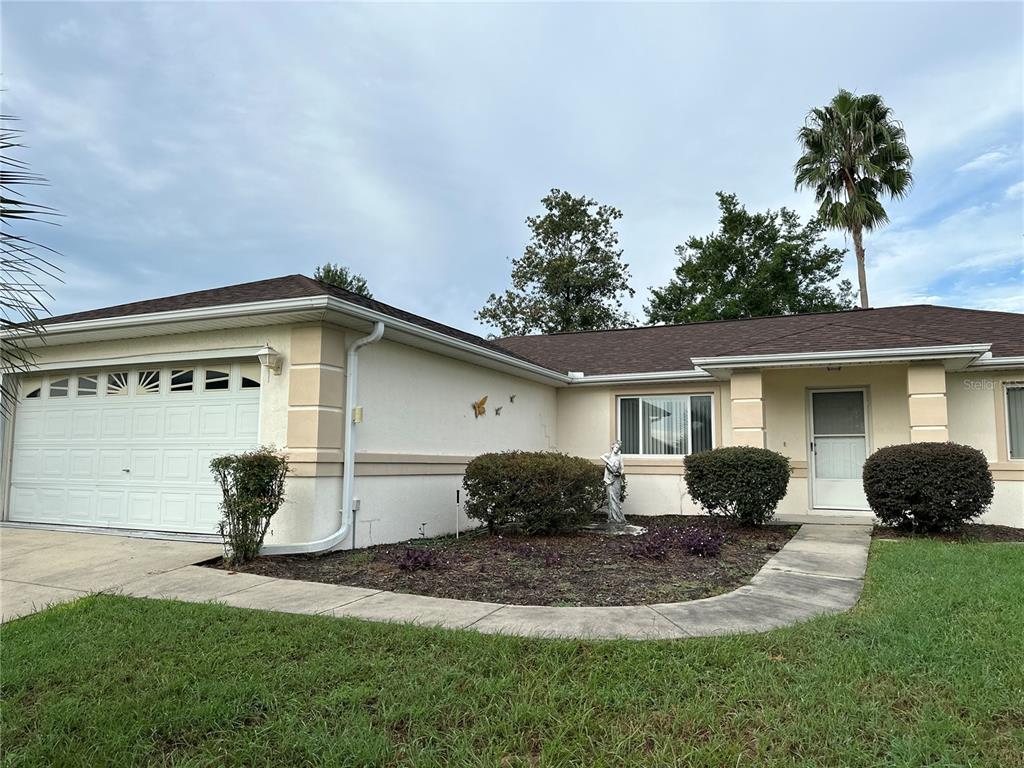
214	378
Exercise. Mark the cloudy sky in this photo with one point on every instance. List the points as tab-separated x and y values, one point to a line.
194	145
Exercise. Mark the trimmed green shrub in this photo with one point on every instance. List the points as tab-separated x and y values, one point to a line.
252	485
532	492
928	486
743	484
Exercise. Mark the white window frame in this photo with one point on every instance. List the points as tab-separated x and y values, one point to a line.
689	421
1007	386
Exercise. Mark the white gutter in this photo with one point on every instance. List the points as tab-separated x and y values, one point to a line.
987	361
896	354
580	379
348	470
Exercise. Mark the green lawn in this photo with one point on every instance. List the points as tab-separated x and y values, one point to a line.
927	670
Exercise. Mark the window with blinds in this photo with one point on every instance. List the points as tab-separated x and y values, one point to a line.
665	425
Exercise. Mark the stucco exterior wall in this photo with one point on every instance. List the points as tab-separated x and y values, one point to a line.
786	404
415	402
587	424
419	430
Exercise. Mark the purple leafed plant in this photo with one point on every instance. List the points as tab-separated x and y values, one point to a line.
416	559
702	542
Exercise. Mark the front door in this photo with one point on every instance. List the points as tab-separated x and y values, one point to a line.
839	446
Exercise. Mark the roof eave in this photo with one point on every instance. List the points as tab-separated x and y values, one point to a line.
953	356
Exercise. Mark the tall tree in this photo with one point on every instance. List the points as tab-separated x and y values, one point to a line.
25	265
342	277
854	152
571	276
755	264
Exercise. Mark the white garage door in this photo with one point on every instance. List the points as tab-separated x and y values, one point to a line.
130	448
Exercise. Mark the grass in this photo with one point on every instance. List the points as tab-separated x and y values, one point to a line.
927	670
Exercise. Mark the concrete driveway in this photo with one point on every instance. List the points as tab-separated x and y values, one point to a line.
39	568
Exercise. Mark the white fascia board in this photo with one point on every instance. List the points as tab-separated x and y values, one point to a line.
117	324
155	358
846	357
666	377
989	363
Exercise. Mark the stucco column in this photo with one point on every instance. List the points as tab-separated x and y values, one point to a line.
926	396
747	407
316	397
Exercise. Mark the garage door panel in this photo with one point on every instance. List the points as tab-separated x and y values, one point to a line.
110	506
175	508
147	422
30	423
215	420
116	423
81	507
70	455
144	464
178	465
54	463
27	463
180	421
82	463
142	508
247	421
56	424
85	423
112	463
208	510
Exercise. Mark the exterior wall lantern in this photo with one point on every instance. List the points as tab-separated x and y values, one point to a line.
270	358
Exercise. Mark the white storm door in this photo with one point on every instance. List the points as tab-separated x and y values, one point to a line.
839	446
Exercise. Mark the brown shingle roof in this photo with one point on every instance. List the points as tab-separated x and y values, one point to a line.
672	347
288	287
651	349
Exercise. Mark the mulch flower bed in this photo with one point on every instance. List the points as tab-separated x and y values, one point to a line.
562	569
968	534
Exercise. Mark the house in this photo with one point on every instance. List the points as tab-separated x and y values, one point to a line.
374	405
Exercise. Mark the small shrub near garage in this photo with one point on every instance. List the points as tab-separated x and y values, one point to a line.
252	485
532	492
742	484
928	486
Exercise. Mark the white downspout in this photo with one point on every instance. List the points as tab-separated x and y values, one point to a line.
348	470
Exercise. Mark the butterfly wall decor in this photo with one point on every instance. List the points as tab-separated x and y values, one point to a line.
480	407
497	410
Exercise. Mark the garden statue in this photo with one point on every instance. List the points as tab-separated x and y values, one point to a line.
613	472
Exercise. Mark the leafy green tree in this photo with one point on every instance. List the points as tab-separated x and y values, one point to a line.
755	264
342	277
570	277
854	152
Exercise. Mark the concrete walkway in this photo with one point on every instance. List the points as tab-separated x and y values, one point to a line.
820	570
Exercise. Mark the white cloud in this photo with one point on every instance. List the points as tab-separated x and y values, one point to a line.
987	161
1015	191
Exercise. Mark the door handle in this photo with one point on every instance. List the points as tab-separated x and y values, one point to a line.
814	450
126	470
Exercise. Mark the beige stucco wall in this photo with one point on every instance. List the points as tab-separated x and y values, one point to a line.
655	486
416	402
786	393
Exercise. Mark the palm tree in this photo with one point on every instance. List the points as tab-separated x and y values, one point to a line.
853	153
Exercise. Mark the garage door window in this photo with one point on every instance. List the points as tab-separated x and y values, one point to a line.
86	385
117	383
216	380
149	383
59	387
181	379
